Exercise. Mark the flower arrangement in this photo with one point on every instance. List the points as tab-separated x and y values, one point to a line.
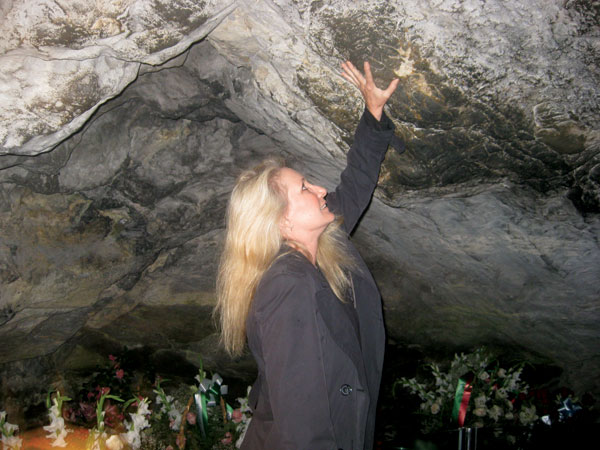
498	395
10	441
193	417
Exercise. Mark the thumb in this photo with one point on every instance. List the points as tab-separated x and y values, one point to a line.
391	87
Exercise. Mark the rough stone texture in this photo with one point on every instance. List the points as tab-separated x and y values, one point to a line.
120	145
61	60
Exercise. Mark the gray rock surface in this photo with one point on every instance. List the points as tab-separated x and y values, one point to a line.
123	128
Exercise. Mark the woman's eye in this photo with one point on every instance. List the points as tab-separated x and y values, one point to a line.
303	186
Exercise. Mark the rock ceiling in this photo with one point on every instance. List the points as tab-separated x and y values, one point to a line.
124	124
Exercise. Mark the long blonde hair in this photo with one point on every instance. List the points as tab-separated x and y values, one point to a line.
252	242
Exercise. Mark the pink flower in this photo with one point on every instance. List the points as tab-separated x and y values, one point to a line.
191	418
170	447
236	416
227	439
102	391
119	374
113	358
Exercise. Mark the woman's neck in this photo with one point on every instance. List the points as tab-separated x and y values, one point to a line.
305	250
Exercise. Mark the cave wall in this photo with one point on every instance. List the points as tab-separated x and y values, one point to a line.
124	128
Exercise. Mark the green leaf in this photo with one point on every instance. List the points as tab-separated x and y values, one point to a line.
48	402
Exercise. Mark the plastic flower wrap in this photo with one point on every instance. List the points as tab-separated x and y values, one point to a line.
242	417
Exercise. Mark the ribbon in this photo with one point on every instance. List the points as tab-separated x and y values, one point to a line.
567	409
464	388
209	393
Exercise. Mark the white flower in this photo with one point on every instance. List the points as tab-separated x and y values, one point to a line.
480	412
56	429
495	412
174	419
501	393
10	429
527	415
509	415
57	424
513	382
60	440
435	408
484	376
132	438
11	442
144	408
501	372
480	401
139	421
114	443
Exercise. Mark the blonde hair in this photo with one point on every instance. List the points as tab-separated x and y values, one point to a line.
253	240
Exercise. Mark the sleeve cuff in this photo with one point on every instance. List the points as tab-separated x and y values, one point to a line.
380	125
385	124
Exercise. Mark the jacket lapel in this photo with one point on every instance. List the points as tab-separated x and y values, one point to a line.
341	328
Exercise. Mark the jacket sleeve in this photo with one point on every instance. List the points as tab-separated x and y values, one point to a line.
294	375
359	178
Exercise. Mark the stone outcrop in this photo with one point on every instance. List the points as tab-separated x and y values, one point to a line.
124	126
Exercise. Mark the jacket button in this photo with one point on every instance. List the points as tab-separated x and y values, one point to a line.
346	389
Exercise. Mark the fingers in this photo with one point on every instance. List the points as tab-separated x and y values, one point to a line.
352	74
375	98
368	74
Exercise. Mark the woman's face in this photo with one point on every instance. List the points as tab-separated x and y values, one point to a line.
306	214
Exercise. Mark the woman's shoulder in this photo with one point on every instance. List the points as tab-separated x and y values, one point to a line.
287	281
289	266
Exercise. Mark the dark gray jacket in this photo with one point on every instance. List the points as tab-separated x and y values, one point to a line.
320	360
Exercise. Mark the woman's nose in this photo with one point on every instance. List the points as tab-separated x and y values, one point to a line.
319	190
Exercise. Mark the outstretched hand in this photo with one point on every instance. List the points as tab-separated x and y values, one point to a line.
374	97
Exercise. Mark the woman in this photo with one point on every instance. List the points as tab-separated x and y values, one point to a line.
291	281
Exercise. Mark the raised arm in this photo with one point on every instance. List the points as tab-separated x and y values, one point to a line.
371	139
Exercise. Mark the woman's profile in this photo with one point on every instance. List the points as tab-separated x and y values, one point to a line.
292	286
